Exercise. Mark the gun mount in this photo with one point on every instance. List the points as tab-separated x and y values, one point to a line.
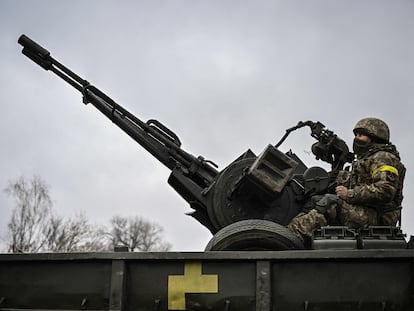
272	186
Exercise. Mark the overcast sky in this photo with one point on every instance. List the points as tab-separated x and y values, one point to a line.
225	76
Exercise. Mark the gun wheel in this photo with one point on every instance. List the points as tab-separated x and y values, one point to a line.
254	235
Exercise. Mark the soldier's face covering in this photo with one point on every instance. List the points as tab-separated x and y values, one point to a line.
360	147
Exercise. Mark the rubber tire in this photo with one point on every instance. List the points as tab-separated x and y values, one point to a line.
254	235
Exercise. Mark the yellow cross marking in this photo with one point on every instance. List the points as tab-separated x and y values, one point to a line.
191	282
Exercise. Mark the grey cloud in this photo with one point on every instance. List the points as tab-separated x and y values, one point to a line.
224	75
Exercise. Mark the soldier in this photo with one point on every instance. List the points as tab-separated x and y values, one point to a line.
369	195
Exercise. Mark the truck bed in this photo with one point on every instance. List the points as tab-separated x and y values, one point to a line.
272	280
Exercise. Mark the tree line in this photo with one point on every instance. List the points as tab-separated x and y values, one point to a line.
34	227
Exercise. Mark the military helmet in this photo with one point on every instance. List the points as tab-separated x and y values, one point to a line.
374	128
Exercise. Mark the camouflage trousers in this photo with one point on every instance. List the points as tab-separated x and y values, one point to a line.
354	217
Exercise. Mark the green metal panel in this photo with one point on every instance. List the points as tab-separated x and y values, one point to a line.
342	285
262	281
147	285
55	284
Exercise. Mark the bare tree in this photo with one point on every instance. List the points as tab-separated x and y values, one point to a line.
30	216
75	234
33	226
137	234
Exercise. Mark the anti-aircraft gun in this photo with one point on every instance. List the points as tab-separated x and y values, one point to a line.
245	206
272	186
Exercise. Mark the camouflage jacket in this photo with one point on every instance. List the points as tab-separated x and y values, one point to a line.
376	181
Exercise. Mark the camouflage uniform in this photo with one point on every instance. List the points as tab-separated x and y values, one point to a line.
375	189
374	193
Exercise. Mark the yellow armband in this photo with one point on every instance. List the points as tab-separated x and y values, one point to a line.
385	168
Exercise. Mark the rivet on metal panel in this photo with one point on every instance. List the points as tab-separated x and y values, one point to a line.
83	303
227	305
157	303
306	305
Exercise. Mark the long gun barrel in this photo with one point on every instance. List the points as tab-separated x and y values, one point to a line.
156	138
251	187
